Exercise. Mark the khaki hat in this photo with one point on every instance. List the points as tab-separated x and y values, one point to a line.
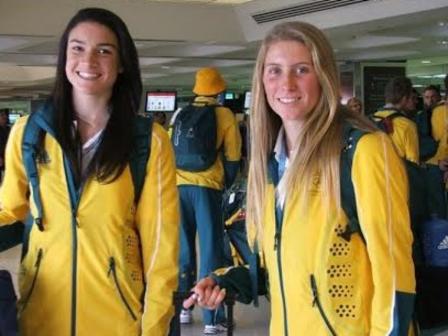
209	82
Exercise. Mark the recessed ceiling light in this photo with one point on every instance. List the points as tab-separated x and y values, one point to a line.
443	42
426	62
443	23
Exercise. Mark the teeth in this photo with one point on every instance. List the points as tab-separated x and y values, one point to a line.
87	75
288	100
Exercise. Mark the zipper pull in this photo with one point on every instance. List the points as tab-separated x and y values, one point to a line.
277	238
314	289
111	266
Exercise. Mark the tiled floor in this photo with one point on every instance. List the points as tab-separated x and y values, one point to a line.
250	321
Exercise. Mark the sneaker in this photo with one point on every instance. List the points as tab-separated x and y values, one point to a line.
186	317
214	329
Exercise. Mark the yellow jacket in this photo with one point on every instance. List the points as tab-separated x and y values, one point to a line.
228	138
320	280
355	281
439	127
111	268
404	136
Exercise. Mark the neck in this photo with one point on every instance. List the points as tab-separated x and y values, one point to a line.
292	131
91	116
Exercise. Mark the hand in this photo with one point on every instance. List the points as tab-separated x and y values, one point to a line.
445	176
443	164
206	294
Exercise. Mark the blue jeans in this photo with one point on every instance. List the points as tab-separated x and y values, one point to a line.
200	211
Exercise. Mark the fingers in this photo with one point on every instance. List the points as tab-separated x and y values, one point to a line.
215	298
191	301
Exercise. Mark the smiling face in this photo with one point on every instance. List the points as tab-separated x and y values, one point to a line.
93	62
290	81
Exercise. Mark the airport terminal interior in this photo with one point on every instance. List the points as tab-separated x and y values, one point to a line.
373	41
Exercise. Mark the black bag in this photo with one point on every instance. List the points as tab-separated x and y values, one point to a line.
8	309
194	138
432	296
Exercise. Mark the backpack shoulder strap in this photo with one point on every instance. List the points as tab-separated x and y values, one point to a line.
140	153
30	150
351	137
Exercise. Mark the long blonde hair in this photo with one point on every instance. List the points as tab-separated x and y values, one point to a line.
320	141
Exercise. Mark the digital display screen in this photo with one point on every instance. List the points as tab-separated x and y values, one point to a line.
229	96
161	101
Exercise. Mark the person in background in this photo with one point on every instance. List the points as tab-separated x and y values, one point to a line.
97	263
400	104
201	196
437	165
324	278
160	117
355	105
4	134
431	97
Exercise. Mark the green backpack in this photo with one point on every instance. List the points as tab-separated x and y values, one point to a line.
17	233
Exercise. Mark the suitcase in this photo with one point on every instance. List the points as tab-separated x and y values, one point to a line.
179	297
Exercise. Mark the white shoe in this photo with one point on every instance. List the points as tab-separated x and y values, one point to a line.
185	316
214	329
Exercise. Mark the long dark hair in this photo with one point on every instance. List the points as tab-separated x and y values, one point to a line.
115	147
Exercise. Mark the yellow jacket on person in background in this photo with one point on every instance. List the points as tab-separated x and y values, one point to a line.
439	129
111	268
228	139
404	135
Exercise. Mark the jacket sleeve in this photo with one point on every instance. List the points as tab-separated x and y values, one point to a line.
158	224
412	146
14	191
381	191
232	147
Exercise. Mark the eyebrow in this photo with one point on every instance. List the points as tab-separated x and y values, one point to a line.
74	40
293	65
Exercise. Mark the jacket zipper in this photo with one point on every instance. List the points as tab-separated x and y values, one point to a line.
112	270
316	302
33	284
277	247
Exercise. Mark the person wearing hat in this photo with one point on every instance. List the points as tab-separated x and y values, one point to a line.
200	197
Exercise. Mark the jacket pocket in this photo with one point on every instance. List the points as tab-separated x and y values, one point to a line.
33	282
112	270
316	302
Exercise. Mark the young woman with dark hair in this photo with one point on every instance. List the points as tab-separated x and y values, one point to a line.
100	261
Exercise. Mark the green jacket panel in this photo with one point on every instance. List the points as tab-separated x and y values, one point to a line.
113	266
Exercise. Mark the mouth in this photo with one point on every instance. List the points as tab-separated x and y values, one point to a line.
288	100
87	75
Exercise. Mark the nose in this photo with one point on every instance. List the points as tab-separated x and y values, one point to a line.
288	81
89	57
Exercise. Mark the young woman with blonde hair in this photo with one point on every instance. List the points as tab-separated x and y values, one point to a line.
324	278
